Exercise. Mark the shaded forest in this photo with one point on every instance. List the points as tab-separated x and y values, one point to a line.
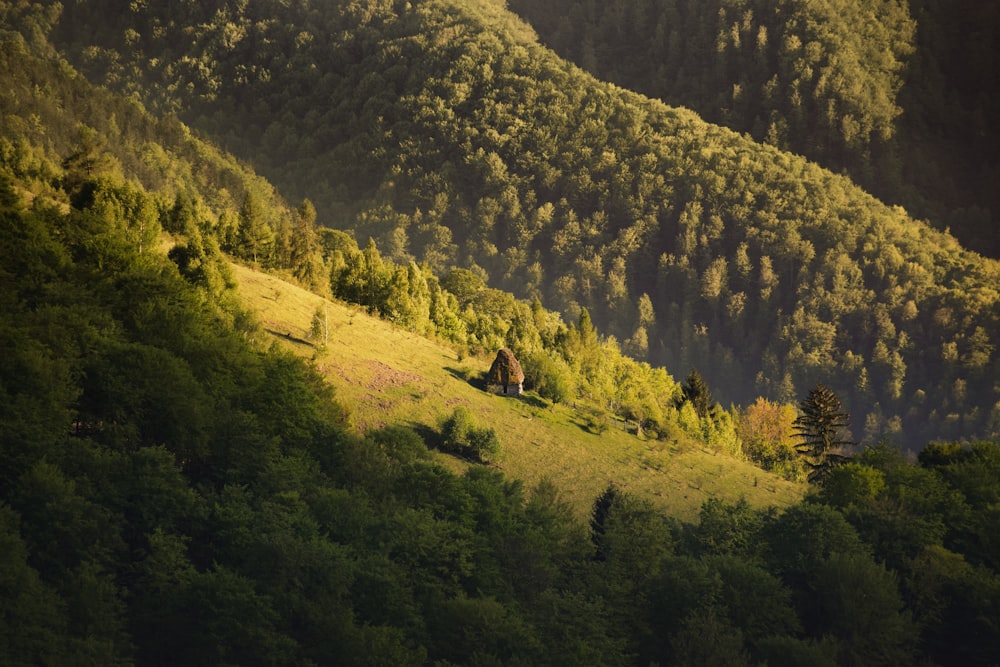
900	95
174	491
165	479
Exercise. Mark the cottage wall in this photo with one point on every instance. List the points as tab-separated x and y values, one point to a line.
513	389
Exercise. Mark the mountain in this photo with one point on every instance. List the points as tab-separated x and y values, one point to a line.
448	134
178	486
151	180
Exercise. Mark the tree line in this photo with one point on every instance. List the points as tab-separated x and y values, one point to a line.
174	492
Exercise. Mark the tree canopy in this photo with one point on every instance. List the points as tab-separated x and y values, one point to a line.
822	429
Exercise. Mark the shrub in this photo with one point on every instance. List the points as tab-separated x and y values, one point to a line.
460	436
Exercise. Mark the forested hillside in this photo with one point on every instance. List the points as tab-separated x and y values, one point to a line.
901	95
448	135
174	491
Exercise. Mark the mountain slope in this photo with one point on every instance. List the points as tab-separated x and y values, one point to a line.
897	94
194	189
390	376
447	135
171	492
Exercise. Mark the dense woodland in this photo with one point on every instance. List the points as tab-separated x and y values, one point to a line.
174	491
901	95
454	139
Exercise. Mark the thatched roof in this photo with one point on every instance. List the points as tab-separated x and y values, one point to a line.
505	369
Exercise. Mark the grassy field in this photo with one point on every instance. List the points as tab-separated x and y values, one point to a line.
386	375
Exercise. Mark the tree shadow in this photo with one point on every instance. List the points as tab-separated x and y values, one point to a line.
287	335
479	381
534	401
430	436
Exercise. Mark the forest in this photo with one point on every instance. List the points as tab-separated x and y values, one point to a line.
453	138
176	490
900	95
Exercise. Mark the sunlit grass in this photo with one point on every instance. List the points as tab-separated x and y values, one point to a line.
387	375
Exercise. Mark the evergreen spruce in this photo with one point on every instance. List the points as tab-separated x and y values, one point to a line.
696	392
598	520
821	427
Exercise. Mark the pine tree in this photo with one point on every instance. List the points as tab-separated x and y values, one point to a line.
696	392
821	427
306	255
598	520
319	330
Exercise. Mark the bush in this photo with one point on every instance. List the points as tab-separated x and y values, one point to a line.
550	376
597	421
460	436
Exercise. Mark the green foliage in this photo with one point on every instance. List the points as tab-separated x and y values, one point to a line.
806	535
197	487
319	329
461	436
871	88
852	484
456	140
550	375
695	391
728	529
860	603
766	432
34	620
172	493
707	640
561	363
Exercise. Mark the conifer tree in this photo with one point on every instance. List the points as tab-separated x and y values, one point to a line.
306	257
255	237
821	428
696	392
598	520
319	330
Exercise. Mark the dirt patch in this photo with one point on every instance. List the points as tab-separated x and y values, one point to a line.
384	376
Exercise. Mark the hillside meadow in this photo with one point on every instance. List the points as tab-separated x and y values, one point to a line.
387	375
451	136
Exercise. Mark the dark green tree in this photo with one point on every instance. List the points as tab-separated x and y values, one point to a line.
460	435
822	429
708	639
697	393
306	255
598	519
88	159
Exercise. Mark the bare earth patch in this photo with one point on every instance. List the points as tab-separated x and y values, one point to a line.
384	376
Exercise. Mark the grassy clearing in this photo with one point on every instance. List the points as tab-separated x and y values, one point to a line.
390	376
